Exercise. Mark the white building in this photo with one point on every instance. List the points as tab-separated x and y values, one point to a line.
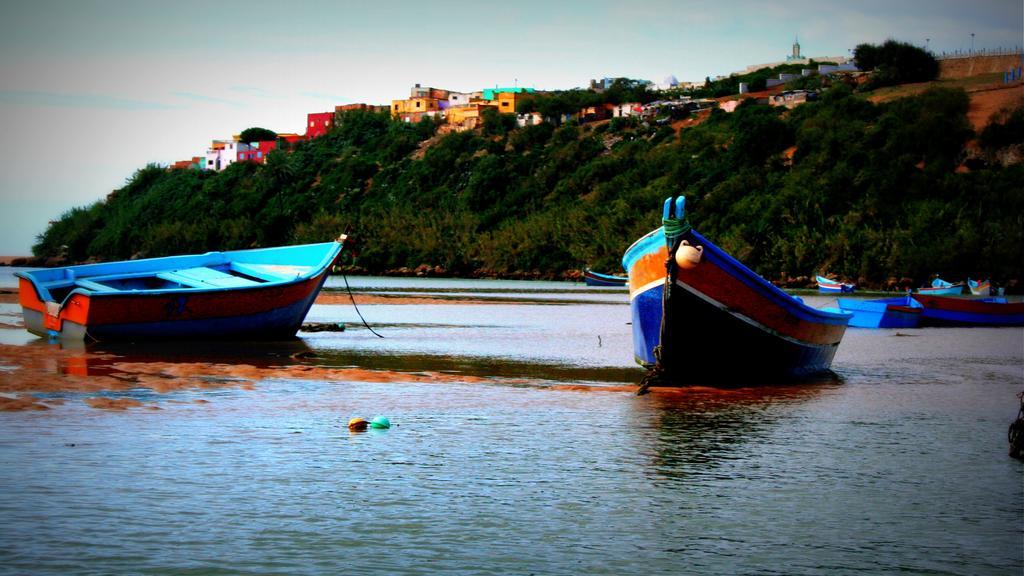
459	98
627	109
224	153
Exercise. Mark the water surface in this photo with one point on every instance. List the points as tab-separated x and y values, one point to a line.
532	457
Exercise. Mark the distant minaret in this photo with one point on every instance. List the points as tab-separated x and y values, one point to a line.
796	50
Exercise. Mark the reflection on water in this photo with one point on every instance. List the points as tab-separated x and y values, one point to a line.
697	428
518	446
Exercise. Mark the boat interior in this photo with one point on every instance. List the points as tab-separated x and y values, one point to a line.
196	272
219	276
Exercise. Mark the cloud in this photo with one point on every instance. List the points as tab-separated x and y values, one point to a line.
78	100
257	91
324	96
208	99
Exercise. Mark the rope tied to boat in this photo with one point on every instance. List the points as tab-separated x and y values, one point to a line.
360	314
674	228
343	239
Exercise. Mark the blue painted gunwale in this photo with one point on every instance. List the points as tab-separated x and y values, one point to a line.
882	312
592	278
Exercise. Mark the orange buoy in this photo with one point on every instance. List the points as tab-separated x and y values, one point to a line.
357	424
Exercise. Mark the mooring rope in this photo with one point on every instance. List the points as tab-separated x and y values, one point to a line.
345	278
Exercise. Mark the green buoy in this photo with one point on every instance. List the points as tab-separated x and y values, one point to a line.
380	422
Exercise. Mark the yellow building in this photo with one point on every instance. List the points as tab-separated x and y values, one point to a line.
465	117
414	105
508	102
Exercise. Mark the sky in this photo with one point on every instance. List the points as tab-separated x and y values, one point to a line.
92	90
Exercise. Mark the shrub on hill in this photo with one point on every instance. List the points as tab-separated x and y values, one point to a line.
1006	128
894	63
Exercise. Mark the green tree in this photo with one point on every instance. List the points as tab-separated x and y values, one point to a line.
895	62
257	135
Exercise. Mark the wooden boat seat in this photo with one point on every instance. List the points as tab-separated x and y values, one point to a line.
205	278
94	286
269	272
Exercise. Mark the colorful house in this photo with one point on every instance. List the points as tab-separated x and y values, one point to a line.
466	117
256	151
217	158
627	109
417	105
224	153
462	98
196	163
423	101
418	91
318	124
492	93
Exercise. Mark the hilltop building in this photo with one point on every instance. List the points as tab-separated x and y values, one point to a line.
196	163
796	55
422	101
224	153
318	124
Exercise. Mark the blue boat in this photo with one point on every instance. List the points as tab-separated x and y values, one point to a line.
592	278
949	311
980	288
942	288
711	319
244	294
902	312
830	285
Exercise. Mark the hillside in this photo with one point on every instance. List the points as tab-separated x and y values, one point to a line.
866	190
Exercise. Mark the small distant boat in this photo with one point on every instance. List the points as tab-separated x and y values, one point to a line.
902	312
597	279
830	285
947	311
719	322
244	294
980	288
942	288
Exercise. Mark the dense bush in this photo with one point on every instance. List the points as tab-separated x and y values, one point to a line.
1005	129
895	63
840	185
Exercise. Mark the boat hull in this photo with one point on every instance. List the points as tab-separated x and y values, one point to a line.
945	311
223	306
725	324
881	313
943	290
592	278
830	286
255	314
